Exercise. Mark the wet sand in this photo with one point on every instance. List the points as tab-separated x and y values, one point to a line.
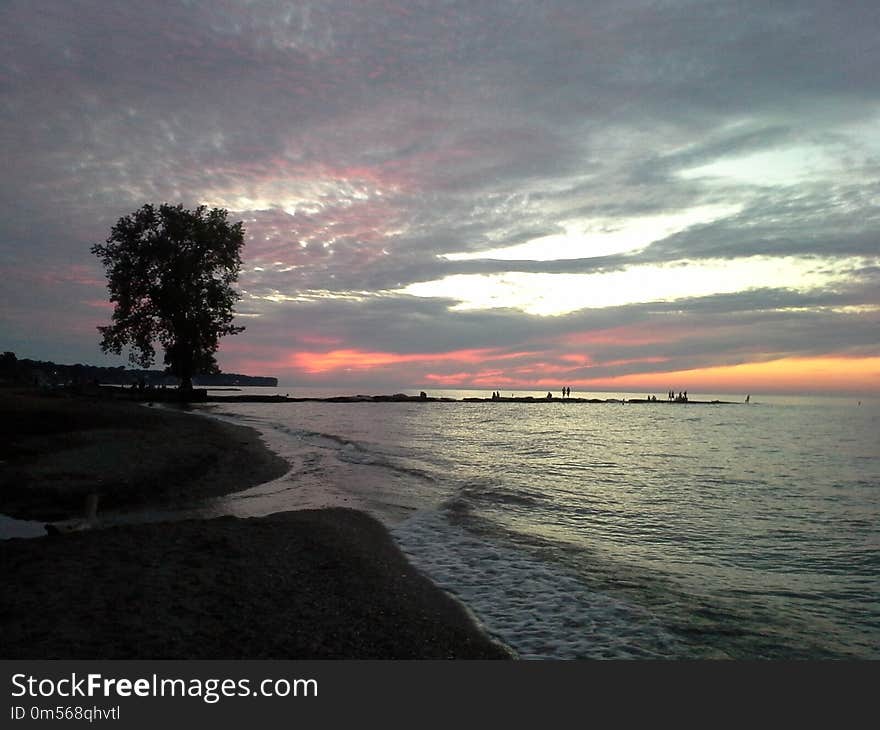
314	584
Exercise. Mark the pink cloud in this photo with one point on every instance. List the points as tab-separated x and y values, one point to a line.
354	359
635	335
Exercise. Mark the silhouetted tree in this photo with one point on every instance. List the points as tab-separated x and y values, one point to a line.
170	273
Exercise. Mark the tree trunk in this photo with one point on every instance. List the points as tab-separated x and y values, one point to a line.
183	362
186	387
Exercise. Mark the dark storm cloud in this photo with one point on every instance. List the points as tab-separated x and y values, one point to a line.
363	142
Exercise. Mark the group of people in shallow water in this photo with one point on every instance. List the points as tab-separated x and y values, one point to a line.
671	396
566	393
682	396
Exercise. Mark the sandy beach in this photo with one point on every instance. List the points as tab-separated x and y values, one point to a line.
303	585
57	449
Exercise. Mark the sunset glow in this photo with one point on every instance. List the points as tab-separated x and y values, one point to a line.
464	195
786	375
336	360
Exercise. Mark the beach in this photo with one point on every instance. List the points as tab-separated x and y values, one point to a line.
57	449
315	584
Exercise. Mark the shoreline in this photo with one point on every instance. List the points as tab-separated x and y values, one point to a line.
311	584
318	584
58	449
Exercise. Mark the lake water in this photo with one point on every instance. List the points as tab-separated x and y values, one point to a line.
611	530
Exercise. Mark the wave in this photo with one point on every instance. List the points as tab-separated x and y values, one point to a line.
502	496
538	608
349	450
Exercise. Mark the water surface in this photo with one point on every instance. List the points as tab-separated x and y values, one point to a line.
612	530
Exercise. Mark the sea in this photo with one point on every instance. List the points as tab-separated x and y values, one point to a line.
611	530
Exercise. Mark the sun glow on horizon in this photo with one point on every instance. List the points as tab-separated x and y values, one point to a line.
536	370
830	373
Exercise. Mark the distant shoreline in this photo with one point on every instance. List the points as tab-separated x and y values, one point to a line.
403	398
207	395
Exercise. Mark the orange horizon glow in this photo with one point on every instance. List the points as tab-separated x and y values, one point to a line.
831	373
481	368
790	374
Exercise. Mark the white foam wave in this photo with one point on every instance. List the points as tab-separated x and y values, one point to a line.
537	609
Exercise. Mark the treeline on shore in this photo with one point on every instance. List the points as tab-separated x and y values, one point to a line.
47	373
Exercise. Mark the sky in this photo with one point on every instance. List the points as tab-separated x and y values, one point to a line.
625	195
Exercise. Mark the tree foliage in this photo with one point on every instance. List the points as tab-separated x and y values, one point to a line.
170	273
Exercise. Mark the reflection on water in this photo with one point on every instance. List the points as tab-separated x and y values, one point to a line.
742	530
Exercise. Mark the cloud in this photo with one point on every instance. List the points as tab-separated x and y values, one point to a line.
384	147
555	294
